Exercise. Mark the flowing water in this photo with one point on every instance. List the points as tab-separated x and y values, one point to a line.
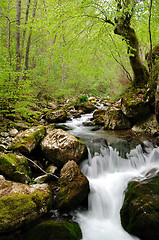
109	175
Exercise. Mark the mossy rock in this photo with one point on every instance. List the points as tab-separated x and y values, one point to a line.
52	230
98	116
15	167
135	106
58	116
86	107
140	212
74	187
21	204
27	140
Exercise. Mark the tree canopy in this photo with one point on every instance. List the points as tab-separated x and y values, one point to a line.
60	49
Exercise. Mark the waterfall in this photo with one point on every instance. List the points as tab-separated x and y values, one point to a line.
109	175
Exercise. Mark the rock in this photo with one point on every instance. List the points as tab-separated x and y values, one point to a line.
135	106
51	169
21	204
149	125
115	119
13	132
99	115
58	116
27	140
2	177
5	134
52	105
50	230
89	123
86	107
140	212
15	167
74	187
60	146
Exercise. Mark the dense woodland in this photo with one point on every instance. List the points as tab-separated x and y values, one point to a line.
54	49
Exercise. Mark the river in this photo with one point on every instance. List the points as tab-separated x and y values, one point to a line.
109	174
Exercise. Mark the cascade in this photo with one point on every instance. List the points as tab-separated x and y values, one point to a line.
109	175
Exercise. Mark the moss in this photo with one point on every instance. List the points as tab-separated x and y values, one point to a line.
11	163
54	230
18	206
28	138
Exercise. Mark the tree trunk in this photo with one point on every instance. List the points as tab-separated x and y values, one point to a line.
122	28
26	20
29	38
17	37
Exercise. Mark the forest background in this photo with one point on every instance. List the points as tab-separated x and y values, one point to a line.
55	49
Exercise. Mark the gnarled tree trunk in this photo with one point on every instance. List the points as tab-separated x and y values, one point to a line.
122	28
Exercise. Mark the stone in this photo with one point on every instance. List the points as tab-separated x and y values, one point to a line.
86	107
74	187
98	116
59	147
13	132
51	169
58	116
27	140
21	204
140	211
149	125
15	167
115	119
135	106
54	230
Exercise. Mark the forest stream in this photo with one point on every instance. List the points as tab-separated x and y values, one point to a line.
109	174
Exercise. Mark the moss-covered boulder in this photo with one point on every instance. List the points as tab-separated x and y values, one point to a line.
58	116
21	204
98	116
140	212
59	146
135	106
27	140
52	230
115	119
74	187
149	125
85	106
15	167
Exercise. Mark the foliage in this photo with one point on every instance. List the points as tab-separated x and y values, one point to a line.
72	51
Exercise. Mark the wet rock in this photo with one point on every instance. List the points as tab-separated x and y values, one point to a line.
89	123
21	204
50	230
140	212
149	126
15	167
115	119
86	107
27	140
135	106
58	116
99	115
74	187
60	146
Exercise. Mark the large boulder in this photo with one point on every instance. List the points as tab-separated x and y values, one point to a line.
15	167
140	212
135	106
74	187
58	116
60	146
99	115
21	204
115	119
86	106
27	140
112	118
52	230
149	125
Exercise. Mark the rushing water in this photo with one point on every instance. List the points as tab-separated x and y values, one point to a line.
108	175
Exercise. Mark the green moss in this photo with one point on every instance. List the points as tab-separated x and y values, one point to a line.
54	230
11	163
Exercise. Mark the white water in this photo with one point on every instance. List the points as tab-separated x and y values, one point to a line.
108	176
